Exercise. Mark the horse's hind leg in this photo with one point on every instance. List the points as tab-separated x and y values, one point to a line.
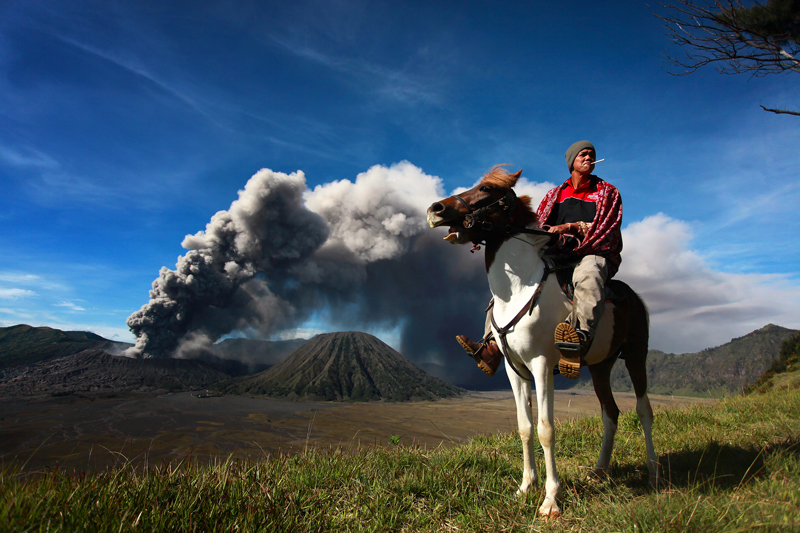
601	379
635	354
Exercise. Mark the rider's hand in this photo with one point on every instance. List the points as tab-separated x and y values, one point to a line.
561	229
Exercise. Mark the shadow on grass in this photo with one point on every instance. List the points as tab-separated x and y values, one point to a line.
714	467
721	466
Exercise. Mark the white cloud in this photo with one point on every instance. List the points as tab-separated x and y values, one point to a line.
71	306
27	158
533	189
18	278
13	294
692	305
31	282
134	65
374	216
397	85
19	315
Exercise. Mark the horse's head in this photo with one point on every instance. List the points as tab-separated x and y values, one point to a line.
485	210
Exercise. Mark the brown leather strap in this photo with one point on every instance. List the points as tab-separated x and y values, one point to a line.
527	308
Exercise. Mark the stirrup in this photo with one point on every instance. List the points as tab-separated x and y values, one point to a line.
472	348
486	353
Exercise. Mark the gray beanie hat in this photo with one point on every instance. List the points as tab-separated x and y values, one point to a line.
575	149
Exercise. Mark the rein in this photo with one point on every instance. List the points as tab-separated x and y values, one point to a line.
526	309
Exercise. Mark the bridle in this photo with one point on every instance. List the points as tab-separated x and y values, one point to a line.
505	204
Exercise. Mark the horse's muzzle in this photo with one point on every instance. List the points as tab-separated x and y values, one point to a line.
435	212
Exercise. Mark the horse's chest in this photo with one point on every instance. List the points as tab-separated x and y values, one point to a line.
533	334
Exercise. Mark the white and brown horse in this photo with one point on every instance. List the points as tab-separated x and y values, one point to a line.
492	215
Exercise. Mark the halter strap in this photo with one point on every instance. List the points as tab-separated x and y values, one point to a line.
457	197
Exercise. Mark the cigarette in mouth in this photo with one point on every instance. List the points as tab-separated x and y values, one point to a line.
600	160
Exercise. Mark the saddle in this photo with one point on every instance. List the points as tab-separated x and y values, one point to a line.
563	271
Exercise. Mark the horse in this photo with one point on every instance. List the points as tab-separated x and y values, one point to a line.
490	214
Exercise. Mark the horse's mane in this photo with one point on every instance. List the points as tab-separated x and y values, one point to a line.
498	176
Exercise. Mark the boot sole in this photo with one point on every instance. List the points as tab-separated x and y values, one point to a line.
486	370
565	335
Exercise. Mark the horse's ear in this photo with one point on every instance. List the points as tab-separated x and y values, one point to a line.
514	177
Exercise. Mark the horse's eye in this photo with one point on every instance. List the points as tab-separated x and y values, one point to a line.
485	189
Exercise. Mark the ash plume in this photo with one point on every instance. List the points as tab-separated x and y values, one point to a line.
218	285
359	249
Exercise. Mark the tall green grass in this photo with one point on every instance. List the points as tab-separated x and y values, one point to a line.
731	466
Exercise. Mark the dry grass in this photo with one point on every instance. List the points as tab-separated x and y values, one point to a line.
729	466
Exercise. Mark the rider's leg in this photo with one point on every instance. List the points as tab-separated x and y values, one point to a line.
486	352
574	337
589	279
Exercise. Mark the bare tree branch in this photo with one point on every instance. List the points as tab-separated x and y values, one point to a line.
718	35
759	39
781	111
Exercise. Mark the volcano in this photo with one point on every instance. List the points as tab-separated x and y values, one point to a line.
344	366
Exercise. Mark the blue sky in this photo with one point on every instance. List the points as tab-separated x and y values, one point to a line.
127	125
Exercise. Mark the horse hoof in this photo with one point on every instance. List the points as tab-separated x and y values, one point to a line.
597	475
550	514
549	509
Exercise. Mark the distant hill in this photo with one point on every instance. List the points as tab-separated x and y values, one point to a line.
97	373
784	372
42	360
24	344
713	372
345	366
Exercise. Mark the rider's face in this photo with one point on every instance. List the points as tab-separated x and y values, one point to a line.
584	161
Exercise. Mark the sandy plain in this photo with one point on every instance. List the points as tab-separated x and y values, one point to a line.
81	434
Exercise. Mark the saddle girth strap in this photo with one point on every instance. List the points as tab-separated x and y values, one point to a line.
527	308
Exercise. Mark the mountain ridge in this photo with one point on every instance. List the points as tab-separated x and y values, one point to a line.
96	373
713	372
24	344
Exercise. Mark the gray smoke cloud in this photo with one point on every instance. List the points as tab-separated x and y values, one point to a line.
359	249
223	282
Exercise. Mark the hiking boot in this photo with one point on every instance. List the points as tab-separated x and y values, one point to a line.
487	354
573	345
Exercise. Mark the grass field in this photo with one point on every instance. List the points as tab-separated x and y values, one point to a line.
730	466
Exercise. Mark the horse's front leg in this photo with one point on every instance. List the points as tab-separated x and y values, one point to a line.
522	397
543	377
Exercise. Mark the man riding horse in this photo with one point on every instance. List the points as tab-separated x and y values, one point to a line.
585	213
